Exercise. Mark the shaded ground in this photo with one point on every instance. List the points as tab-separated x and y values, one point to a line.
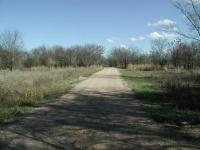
99	113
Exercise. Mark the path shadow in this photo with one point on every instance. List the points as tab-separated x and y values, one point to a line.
93	120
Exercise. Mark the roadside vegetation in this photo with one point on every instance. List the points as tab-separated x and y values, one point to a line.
27	77
24	89
169	96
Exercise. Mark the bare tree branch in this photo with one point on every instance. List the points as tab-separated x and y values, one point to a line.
193	17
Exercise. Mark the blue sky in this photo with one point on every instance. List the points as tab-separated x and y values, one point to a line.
107	22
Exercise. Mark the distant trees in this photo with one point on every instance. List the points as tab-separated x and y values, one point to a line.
87	55
177	53
12	55
59	56
122	57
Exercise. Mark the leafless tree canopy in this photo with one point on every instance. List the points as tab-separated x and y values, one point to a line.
12	55
158	52
191	11
10	46
121	57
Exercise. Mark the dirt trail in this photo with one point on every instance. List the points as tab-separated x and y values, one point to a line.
98	113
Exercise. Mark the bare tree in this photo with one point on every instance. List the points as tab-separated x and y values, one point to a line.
191	11
195	45
158	53
11	43
59	56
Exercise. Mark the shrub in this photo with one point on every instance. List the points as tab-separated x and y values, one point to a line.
145	67
184	89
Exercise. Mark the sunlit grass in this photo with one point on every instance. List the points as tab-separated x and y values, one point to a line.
20	89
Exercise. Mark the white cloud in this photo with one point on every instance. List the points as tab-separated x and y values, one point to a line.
155	35
173	29
140	38
113	39
163	22
110	41
196	2
124	46
163	35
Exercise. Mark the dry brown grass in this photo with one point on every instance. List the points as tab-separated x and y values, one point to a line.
26	88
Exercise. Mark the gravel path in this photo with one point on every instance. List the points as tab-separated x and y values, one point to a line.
99	113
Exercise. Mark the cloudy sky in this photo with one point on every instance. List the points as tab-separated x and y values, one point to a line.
107	22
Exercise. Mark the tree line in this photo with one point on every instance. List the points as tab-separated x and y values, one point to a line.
12	55
176	53
58	56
